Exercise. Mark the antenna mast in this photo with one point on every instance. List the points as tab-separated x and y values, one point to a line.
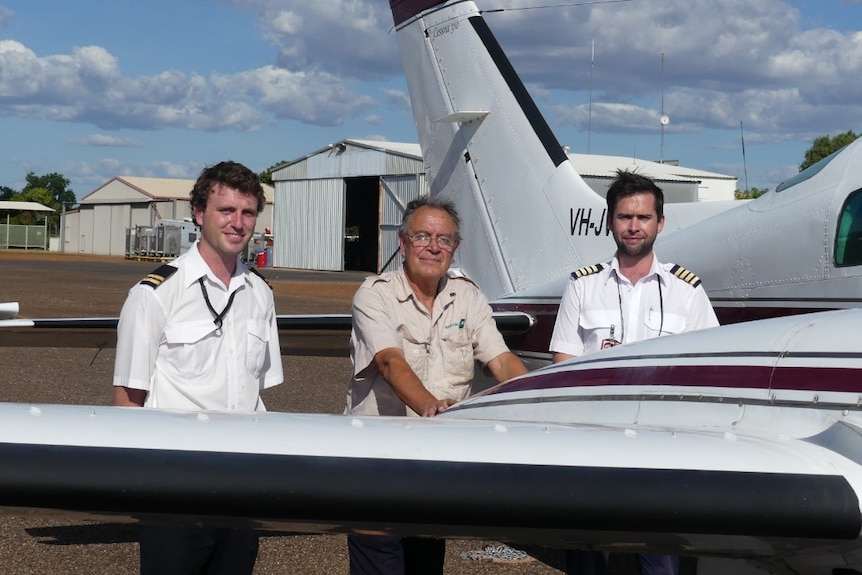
744	165
590	113
663	119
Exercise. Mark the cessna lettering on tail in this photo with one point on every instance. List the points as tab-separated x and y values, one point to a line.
582	223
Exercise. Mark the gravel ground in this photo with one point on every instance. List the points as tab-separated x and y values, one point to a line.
70	285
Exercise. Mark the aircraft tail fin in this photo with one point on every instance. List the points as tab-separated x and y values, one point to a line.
487	146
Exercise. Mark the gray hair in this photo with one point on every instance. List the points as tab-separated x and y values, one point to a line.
437	202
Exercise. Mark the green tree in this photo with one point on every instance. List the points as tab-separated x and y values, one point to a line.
56	184
825	145
39	195
266	175
52	190
6	193
749	194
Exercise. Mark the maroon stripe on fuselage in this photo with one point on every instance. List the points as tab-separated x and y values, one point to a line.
729	315
405	9
823	379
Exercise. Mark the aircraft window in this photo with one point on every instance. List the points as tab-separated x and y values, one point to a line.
848	239
808	172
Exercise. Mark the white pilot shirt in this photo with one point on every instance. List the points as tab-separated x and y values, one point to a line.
600	304
168	344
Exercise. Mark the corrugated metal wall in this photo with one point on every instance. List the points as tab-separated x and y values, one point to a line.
310	204
308	227
397	192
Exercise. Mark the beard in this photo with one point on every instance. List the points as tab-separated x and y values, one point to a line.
634	251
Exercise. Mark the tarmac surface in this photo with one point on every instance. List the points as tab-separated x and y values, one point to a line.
71	285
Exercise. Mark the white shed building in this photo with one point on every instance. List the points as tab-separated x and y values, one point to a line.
679	184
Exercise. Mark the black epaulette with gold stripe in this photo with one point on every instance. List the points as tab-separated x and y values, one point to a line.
155	278
587	271
260	275
685	275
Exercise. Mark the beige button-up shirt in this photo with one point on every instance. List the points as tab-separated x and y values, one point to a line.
440	347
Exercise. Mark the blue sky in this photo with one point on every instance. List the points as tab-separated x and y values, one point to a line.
99	88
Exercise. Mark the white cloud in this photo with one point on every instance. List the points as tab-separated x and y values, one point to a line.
94	174
106	141
724	62
5	15
87	86
312	97
376	138
349	38
397	98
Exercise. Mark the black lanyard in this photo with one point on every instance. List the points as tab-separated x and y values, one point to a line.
218	318
622	319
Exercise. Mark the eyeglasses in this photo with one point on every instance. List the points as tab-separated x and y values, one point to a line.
423	240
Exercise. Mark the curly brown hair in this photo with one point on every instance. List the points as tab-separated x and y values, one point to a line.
232	174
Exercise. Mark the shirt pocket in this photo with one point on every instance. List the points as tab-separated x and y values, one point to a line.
258	343
664	324
189	349
596	325
458	361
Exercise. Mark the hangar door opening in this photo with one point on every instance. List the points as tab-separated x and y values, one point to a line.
361	225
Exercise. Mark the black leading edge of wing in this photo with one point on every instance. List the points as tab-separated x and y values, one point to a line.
535	503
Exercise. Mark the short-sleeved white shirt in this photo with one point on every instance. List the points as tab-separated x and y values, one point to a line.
599	303
169	346
441	347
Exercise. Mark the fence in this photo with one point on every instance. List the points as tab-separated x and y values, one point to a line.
27	237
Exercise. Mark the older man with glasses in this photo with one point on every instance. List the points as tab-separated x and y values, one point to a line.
417	333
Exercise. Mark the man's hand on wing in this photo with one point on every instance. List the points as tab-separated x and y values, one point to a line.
439	406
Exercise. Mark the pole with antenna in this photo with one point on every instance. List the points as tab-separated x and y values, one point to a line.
744	164
590	112
663	119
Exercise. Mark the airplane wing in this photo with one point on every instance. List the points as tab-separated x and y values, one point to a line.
683	491
312	335
741	441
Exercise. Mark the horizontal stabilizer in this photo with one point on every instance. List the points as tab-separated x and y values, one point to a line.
324	335
464	117
8	310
